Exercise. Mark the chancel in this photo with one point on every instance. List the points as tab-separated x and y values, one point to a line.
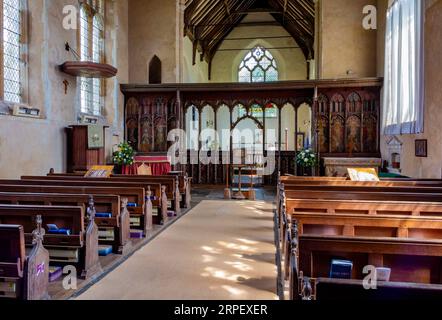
220	150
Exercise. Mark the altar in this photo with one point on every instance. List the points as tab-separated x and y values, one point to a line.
337	167
158	165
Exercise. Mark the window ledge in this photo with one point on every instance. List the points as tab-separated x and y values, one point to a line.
101	120
6	110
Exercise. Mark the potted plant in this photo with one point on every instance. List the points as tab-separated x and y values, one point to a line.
123	156
306	160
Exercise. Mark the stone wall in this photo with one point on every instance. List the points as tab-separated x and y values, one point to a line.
33	146
346	49
153	31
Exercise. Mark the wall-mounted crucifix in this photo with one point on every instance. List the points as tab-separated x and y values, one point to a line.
66	84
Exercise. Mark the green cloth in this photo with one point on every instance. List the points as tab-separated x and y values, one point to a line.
390	175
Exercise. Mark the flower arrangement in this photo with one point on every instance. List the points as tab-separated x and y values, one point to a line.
124	155
306	159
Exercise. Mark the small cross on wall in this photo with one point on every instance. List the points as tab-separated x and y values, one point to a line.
66	84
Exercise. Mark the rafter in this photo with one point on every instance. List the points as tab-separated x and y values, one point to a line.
209	22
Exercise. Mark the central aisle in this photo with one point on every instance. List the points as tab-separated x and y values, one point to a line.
219	250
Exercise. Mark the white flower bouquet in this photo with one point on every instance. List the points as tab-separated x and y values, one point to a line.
306	159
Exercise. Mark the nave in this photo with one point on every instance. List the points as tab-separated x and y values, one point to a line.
219	250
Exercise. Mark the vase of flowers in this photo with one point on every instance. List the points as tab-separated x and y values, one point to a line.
306	160
123	156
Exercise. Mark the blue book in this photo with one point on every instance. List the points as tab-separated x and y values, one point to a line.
104	250
53	229
103	215
65	232
136	234
132	204
341	269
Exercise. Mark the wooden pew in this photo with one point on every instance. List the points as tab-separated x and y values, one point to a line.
119	222
142	209
335	220
156	185
23	277
80	248
326	289
184	182
283	179
383	183
351	225
353	192
355	202
156	190
364	207
411	261
368	225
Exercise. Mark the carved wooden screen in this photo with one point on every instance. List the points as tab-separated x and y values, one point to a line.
146	143
132	120
148	122
370	123
337	128
323	123
353	125
348	122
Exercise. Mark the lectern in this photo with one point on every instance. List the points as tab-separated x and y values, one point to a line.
86	147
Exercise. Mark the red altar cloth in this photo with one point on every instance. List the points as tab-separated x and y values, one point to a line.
160	165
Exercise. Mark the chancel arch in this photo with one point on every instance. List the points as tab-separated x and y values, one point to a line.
247	135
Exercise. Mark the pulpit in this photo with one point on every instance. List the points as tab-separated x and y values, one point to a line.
86	147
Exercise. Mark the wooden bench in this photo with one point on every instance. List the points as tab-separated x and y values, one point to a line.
139	209
382	183
373	226
361	231
80	248
158	195
184	182
411	261
356	192
156	185
118	221
23	277
326	289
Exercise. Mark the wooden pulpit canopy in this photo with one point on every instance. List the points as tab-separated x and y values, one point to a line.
88	69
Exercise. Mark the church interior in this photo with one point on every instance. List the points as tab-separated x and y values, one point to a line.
220	150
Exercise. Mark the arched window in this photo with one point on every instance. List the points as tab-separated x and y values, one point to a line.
258	66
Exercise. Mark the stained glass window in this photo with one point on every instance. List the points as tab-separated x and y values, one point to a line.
12	34
258	66
92	49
